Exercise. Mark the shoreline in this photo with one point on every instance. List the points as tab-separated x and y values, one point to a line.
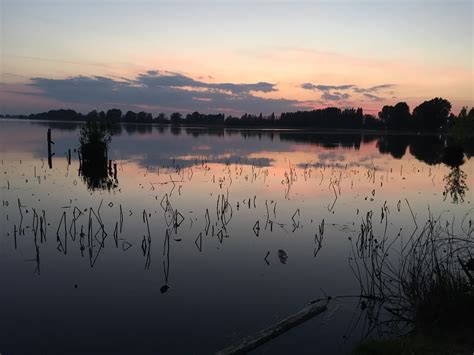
308	129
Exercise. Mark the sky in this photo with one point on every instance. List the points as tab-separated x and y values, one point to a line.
233	56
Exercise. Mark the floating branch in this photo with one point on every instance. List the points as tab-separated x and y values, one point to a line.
251	342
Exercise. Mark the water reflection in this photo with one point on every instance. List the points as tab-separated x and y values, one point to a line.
395	145
94	140
217	210
96	169
456	185
426	148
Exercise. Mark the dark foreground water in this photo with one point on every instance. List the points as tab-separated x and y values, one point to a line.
203	236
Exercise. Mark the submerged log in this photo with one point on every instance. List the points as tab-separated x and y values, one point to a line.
251	342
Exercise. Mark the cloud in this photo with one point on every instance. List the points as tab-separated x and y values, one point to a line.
165	91
309	86
153	78
334	92
329	92
373	97
373	88
335	96
355	88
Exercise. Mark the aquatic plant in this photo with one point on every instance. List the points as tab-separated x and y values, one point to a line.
424	284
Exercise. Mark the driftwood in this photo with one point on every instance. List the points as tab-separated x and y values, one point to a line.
251	342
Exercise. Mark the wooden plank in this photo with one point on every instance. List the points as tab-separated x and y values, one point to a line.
251	342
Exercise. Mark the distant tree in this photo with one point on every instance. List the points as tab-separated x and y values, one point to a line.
130	116
462	126
231	120
144	117
371	122
470	115
161	118
114	115
402	114
396	117
463	113
432	114
175	117
386	114
92	116
195	117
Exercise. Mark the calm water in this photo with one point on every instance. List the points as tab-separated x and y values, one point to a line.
231	247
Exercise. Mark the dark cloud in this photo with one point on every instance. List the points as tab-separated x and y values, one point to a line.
309	86
153	78
373	88
167	91
333	92
335	96
330	92
373	97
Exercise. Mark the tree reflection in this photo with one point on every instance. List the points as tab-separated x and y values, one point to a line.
395	145
455	181
94	139
427	148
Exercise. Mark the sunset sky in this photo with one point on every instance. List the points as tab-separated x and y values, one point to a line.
233	56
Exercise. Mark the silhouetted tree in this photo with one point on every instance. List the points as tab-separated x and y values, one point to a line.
130	116
330	117
92	116
370	122
396	117
114	115
432	115
144	117
175	118
272	118
59	115
161	118
95	132
462	126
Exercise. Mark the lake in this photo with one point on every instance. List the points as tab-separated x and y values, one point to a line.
198	237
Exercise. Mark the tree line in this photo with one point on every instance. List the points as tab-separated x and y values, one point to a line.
431	115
